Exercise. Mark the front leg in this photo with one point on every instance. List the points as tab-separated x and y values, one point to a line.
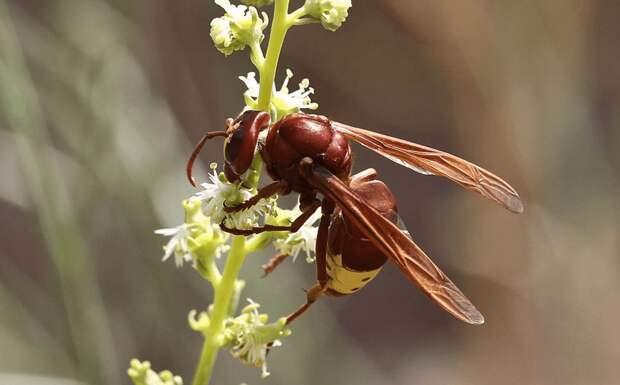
279	187
293	228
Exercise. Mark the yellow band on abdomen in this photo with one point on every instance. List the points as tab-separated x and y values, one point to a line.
344	280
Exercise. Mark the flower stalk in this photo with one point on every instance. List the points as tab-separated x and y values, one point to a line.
267	67
224	290
276	40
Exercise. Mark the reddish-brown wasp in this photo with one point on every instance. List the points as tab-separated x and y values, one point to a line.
359	228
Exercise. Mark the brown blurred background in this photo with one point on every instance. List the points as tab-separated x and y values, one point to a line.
102	100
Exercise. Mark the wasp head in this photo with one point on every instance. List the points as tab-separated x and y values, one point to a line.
241	138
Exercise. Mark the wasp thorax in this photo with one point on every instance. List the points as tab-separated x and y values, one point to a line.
241	142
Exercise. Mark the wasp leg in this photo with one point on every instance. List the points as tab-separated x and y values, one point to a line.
321	263
270	190
294	227
311	296
273	263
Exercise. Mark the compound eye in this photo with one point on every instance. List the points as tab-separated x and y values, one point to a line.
241	143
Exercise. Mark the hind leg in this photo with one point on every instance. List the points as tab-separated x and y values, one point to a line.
322	277
273	263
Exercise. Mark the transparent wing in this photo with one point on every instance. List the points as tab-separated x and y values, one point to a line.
429	161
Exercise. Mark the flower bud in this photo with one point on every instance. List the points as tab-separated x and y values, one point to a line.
142	374
199	322
331	13
239	27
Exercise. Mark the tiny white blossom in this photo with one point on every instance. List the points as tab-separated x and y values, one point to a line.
297	100
302	240
178	244
217	192
284	101
253	88
250	337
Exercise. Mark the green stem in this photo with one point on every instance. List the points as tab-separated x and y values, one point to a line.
294	17
221	308
225	290
258	242
268	71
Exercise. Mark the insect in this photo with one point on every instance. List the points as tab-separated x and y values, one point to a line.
359	229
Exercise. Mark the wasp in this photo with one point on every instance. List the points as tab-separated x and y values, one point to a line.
360	228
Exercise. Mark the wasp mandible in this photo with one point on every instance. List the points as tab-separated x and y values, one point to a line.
359	228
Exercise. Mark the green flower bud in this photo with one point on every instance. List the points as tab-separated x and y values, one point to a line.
257	3
142	374
223	36
331	13
239	27
199	322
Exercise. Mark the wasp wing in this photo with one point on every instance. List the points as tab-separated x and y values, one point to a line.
429	161
396	245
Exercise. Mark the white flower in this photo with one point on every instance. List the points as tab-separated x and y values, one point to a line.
217	193
283	101
177	244
331	13
250	337
240	26
197	240
302	240
253	88
295	101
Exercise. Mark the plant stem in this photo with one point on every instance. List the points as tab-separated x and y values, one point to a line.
276	39
221	308
225	290
295	17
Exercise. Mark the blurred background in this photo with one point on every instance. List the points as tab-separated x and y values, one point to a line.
102	100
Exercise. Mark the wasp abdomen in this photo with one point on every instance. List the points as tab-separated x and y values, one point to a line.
357	254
